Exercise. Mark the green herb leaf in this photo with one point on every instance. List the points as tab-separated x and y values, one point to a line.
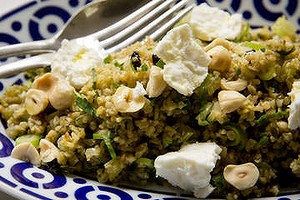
85	105
106	137
244	33
255	46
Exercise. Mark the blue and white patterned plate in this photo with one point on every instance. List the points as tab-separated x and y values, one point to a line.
39	19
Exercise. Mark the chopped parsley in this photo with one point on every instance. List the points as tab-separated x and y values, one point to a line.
106	137
85	105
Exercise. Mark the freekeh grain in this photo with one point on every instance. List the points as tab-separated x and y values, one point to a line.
113	146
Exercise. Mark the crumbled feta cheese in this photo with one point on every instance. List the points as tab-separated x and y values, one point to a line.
209	23
75	62
186	62
93	44
294	116
190	167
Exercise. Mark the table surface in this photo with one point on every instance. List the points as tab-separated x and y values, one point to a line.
4	196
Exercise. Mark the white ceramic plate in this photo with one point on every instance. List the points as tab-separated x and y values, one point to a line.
39	19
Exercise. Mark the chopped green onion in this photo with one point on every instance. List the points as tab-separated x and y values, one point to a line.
108	59
255	46
273	116
119	65
285	53
268	74
218	181
97	136
240	136
115	85
144	67
203	113
160	63
282	27
264	140
187	135
78	120
33	139
132	67
144	162
167	140
113	168
211	83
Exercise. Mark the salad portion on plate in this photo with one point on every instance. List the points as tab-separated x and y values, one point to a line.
211	108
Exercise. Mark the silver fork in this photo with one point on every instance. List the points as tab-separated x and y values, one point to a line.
154	24
89	19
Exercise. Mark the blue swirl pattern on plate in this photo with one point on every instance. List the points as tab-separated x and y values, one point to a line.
45	19
261	12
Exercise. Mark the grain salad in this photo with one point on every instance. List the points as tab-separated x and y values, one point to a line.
212	108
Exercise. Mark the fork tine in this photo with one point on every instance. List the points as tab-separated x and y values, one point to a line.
125	22
52	44
164	28
145	31
13	68
45	59
135	26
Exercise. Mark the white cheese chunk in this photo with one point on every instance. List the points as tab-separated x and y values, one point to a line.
93	44
190	167
209	23
294	116
75	62
186	62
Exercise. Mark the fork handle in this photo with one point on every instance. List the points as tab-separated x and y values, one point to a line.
22	65
21	49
